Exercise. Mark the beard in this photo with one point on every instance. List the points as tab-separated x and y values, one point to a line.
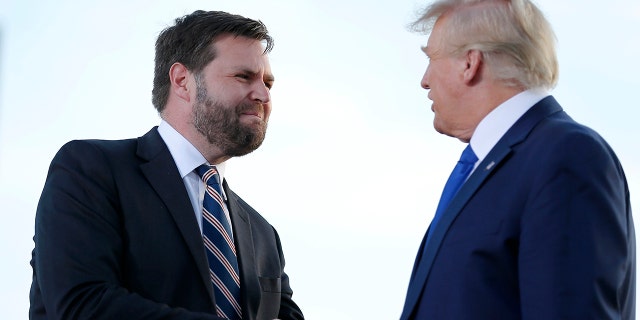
220	124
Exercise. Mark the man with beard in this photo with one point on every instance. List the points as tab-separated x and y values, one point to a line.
140	228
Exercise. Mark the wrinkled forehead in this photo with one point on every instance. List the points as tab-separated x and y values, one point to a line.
435	43
268	74
241	50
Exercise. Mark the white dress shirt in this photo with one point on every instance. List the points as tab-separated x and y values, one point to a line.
187	159
494	125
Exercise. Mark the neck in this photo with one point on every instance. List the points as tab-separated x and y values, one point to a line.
212	153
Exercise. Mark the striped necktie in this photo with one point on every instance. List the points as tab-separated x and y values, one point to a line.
220	249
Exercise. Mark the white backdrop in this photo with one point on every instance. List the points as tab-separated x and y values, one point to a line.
351	169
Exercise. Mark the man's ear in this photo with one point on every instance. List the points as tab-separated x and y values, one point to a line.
472	69
179	77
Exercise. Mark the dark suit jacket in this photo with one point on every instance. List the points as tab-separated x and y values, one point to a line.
542	229
116	238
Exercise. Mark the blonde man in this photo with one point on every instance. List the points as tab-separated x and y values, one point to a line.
541	226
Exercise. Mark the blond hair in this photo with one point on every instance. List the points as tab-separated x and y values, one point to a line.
515	38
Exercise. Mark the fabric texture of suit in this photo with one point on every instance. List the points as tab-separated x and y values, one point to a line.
542	229
116	238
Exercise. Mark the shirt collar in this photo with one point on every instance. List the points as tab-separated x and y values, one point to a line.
494	125
185	155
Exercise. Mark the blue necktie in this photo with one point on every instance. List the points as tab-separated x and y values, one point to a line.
456	179
221	251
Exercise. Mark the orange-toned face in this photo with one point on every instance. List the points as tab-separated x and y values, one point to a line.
444	78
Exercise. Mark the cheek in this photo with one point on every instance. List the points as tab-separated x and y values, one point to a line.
267	111
436	78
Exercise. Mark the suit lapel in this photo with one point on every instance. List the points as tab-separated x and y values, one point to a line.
491	162
163	176
245	251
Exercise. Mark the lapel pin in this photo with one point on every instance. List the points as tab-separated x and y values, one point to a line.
490	165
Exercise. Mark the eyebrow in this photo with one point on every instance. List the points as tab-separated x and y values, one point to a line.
267	77
433	53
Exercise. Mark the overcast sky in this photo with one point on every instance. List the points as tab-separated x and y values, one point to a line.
351	169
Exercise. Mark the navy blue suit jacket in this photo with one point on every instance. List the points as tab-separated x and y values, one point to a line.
116	238
542	229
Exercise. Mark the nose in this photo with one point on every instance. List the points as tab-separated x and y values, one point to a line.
424	83
260	93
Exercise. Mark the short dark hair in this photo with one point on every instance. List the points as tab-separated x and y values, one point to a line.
190	42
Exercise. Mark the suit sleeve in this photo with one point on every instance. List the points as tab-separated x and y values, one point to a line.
577	243
289	310
262	264
79	245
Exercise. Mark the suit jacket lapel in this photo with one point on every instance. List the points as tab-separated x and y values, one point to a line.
163	175
249	284
491	162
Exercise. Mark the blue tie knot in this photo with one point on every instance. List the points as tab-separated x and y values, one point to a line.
209	174
468	156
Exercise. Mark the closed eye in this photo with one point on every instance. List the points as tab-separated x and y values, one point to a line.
242	76
268	80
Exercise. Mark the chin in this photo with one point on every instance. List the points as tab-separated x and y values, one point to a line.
437	127
440	130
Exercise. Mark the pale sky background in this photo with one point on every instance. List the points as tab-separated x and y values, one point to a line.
351	169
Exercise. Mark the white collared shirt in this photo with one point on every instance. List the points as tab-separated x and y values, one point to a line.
187	159
494	125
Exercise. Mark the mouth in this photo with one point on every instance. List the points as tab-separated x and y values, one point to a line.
255	111
255	115
252	115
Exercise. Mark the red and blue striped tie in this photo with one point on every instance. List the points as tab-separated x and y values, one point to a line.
221	251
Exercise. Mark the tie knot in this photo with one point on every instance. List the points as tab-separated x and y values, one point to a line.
468	156
209	174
